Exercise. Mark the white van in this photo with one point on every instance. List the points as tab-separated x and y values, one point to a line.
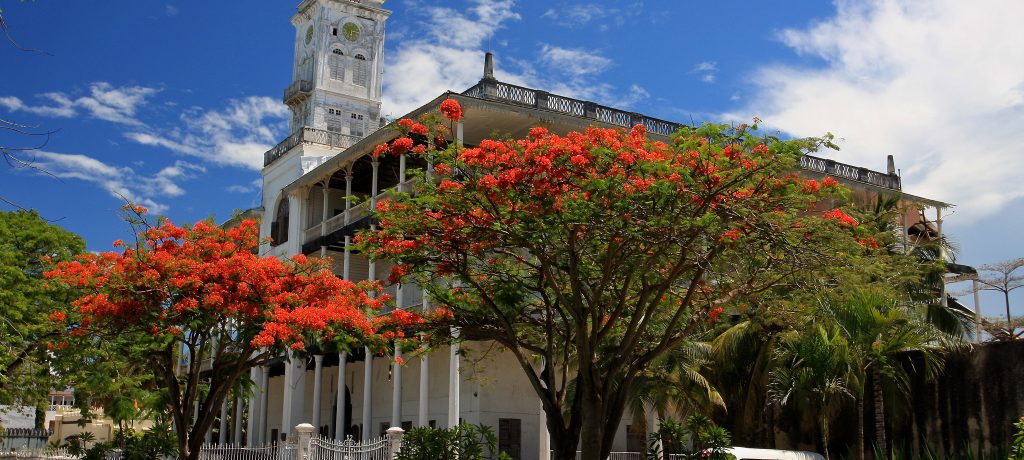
747	453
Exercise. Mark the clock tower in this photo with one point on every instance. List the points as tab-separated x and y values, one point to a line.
339	65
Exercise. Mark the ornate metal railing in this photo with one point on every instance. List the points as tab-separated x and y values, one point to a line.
321	448
309	136
854	173
297	88
492	89
496	90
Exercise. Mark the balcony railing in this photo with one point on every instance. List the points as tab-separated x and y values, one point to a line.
309	135
297	90
496	90
492	89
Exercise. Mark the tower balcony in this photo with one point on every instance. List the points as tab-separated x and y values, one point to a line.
297	91
308	135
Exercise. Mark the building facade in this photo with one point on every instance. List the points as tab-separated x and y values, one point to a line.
319	185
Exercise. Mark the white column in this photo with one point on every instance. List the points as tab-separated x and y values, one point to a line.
401	175
367	393
348	195
458	133
254	407
339	426
396	392
236	432
296	223
424	408
286	400
318	370
373	187
261	432
326	214
453	382
222	436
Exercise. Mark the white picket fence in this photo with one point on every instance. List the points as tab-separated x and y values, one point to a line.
307	447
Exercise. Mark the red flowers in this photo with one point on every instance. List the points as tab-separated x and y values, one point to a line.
714	314
839	216
451	109
401	145
829	182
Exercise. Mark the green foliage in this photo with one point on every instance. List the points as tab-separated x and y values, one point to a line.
1017	444
463	442
698	438
26	242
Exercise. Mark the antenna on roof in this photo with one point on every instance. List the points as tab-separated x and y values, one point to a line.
489	66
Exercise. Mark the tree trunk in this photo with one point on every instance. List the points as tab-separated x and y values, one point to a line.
876	378
592	431
824	430
860	424
1009	319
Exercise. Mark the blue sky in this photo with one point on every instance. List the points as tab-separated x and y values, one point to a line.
172	104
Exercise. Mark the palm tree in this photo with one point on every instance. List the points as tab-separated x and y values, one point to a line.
814	367
878	330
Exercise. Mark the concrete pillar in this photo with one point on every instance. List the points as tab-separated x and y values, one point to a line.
424	401
254	406
295	223
453	382
395	435
222	436
396	392
374	187
286	400
318	371
236	432
346	259
339	427
305	435
348	195
367	393
401	173
262	431
326	214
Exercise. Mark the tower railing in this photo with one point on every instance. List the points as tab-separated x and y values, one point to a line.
308	135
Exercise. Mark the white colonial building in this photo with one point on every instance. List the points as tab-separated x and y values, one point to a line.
318	187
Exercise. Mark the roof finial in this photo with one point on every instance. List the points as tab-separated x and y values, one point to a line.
489	66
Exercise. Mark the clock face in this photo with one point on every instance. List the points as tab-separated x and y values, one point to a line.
351	31
309	34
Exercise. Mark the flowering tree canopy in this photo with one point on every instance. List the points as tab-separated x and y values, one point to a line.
599	251
202	291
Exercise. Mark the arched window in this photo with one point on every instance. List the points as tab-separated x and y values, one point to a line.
336	63
360	71
279	228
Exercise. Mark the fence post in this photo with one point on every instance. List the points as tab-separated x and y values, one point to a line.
305	432
395	435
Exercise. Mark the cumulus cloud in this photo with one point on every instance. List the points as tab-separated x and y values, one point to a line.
574	62
938	84
237	135
104	102
122	182
449	56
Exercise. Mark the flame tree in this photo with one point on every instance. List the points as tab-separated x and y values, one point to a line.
202	291
589	256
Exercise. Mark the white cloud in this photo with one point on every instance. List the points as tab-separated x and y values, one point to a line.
449	56
251	187
939	85
170	10
104	102
238	135
707	71
586	14
121	182
575	62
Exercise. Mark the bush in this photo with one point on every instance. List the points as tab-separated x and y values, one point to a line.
463	442
699	434
1017	444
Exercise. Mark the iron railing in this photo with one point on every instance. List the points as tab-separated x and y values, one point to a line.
309	135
